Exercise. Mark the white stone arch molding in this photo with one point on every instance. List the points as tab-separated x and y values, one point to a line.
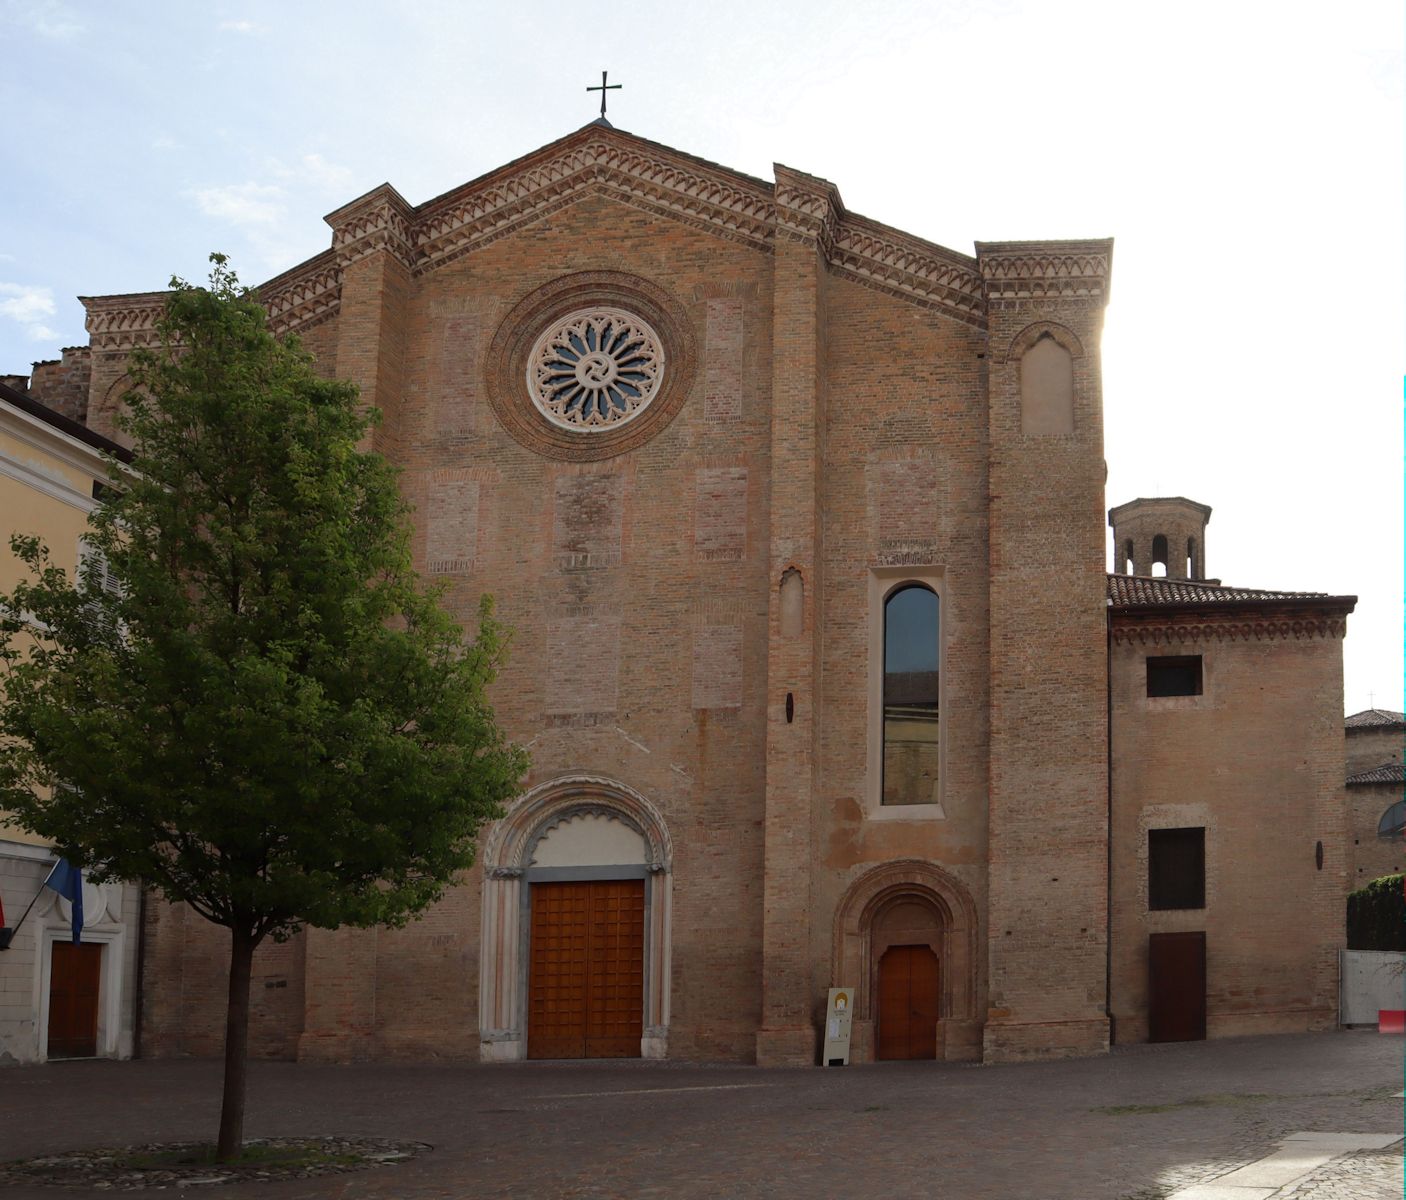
509	870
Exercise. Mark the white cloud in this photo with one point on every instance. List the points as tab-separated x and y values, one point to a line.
47	18
243	204
246	27
29	305
326	175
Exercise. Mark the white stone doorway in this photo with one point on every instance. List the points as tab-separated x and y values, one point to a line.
583	865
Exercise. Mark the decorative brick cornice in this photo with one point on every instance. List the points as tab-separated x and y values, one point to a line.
485	210
808	209
1045	270
660	180
379	220
1229	627
305	296
296	300
722	202
907	266
122	323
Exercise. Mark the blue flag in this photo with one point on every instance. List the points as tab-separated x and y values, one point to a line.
67	880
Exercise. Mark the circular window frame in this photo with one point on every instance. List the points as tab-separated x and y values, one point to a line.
537	313
600	381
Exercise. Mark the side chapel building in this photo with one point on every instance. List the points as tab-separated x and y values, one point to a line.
799	521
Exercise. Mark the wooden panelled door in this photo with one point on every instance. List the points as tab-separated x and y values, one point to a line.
74	975
907	1006
586	980
1176	987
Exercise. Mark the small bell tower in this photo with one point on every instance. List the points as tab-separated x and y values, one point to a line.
1161	531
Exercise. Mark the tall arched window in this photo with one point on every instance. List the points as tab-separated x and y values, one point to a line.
911	744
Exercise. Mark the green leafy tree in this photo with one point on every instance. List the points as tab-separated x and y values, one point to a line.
247	701
1376	915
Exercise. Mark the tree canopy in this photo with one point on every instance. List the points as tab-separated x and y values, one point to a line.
248	701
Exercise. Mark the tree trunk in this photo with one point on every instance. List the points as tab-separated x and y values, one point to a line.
236	1045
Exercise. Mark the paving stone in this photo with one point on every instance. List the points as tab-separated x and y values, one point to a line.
1141	1122
1371	1175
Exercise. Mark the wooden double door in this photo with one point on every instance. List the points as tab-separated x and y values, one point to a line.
908	1003
75	974
585	984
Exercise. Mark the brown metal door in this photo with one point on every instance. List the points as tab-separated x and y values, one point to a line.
1176	987
586	980
907	1003
74	973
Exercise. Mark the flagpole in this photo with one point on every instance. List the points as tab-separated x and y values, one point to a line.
8	935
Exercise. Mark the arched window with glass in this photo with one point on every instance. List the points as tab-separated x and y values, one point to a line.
1393	822
911	744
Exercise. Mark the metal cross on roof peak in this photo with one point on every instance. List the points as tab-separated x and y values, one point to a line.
603	89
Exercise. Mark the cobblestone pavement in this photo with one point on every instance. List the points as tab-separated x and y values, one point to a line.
1141	1122
1368	1175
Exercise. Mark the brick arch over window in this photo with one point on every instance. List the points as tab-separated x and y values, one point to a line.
508	873
855	964
1031	334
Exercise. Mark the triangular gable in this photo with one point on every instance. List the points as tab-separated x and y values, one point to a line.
600	159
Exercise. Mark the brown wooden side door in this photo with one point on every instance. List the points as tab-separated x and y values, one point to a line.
1176	987
586	974
908	1003
74	975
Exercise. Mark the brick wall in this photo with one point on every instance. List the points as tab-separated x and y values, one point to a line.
1372	856
1368	748
1256	760
829	432
62	384
1047	778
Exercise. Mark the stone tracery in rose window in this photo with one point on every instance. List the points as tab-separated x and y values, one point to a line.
596	369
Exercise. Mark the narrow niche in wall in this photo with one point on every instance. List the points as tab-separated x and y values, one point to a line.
1047	388
793	603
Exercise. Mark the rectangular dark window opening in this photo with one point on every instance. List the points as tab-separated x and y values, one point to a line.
1174	675
1176	868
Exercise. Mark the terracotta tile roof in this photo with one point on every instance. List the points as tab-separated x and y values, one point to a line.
1375	718
1140	591
1392	772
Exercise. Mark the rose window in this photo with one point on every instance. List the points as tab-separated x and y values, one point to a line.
595	370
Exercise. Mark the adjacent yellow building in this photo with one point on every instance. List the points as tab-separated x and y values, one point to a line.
57	1000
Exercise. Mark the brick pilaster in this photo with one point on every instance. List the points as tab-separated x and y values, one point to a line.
806	212
372	240
1048	843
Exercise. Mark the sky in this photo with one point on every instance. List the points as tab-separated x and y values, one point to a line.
1245	155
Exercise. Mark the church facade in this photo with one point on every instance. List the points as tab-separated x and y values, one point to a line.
798	520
